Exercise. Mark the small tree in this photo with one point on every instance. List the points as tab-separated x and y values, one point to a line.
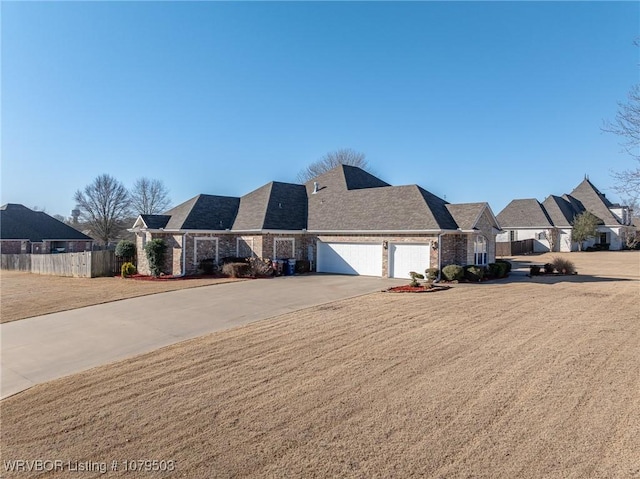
125	249
155	250
551	235
585	226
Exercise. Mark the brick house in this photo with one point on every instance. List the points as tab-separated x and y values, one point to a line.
344	221
23	231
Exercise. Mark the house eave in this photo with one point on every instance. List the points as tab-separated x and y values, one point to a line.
380	232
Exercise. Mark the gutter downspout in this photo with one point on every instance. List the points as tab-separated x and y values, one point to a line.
439	257
184	255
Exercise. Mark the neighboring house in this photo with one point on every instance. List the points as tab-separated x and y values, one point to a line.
549	223
344	221
23	230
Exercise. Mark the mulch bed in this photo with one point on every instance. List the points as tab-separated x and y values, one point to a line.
417	289
170	277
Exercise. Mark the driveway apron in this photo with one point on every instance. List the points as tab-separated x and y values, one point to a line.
39	349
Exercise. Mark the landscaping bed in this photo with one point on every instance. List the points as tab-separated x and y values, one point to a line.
417	289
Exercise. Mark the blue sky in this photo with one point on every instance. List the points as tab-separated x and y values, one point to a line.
474	101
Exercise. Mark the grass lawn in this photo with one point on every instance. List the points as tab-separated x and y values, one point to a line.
24	295
522	379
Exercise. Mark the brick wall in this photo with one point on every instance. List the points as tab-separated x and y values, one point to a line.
13	247
454	249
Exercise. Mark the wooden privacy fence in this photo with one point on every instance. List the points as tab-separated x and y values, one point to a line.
87	264
514	248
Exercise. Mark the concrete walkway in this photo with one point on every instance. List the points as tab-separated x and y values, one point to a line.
39	349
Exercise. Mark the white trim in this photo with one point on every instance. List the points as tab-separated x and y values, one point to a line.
195	246
248	241
293	245
184	255
381	232
484	252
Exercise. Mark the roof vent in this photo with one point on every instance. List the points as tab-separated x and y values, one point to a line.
315	187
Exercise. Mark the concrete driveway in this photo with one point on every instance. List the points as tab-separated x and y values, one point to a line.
39	349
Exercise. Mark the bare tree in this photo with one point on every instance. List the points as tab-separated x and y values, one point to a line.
149	197
551	235
627	126
103	205
343	156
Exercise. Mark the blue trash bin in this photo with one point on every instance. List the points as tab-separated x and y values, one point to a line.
290	267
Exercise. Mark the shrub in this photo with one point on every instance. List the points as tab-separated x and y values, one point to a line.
414	278
549	268
236	270
453	272
473	273
303	266
534	270
431	274
505	262
127	269
498	270
234	259
563	266
260	267
207	266
125	249
155	250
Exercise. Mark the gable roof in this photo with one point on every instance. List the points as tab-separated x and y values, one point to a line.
155	221
17	222
467	215
203	212
278	206
594	201
525	213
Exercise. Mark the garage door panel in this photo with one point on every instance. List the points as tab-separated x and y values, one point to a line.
350	258
404	258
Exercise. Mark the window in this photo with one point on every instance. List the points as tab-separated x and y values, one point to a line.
513	235
603	237
480	251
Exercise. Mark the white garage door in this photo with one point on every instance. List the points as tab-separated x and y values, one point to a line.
404	258
350	258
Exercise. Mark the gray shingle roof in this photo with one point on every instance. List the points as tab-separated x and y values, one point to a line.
388	208
204	212
525	213
348	199
344	177
561	211
155	221
594	201
21	223
466	215
278	206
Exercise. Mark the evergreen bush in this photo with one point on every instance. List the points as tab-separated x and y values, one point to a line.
453	272
155	251
125	249
127	269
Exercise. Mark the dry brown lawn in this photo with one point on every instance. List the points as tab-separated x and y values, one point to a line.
503	380
24	295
